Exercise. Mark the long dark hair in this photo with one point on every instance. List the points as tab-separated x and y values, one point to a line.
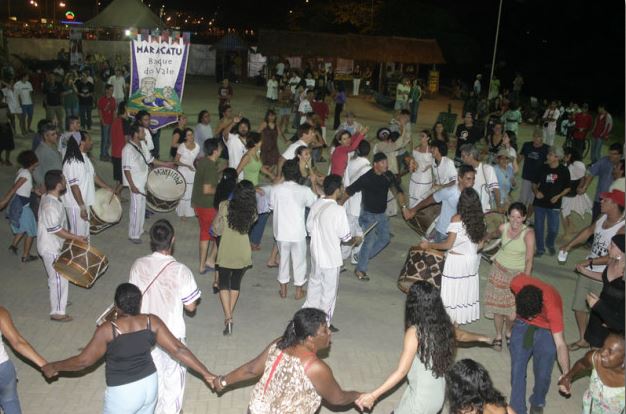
225	187
72	151
182	135
304	323
471	211
435	332
469	388
242	208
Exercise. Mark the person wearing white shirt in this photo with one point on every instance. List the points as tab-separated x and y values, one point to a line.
203	130
444	171
486	183
143	119
328	226
236	143
288	202
305	106
24	89
51	233
81	179
306	135
280	69
169	289
73	131
119	85
358	165
550	116
136	162
294	81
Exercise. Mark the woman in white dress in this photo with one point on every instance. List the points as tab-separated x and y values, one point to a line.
459	282
186	154
420	167
272	89
574	202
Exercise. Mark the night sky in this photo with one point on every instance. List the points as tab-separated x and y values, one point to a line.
565	49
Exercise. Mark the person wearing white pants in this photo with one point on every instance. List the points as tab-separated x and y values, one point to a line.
51	233
356	80
328	226
289	200
136	160
81	179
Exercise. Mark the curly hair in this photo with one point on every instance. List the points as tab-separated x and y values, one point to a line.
242	208
225	187
471	211
469	388
435	332
529	301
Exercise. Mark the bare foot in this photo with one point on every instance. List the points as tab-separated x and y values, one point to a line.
300	293
283	290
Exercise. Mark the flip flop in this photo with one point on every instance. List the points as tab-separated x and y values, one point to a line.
62	318
362	276
575	346
496	344
272	265
207	269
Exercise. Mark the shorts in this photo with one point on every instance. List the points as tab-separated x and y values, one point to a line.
230	279
584	285
526	195
117	169
205	219
28	110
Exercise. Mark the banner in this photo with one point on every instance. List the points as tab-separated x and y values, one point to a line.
158	68
76	47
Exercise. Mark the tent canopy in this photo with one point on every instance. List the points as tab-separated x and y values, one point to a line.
126	14
350	46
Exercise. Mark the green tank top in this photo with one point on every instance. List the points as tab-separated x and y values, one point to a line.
252	170
512	253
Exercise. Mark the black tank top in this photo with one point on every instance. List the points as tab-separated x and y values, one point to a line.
128	357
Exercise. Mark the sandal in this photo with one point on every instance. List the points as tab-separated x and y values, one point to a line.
496	344
61	318
272	265
29	258
361	275
508	341
13	249
575	346
216	288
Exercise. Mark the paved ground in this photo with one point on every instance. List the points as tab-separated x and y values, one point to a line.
370	315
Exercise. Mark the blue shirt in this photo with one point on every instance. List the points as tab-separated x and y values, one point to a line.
449	198
504	181
603	169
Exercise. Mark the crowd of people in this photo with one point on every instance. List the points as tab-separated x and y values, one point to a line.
236	178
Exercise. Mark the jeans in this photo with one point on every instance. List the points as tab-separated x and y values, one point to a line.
596	149
139	397
376	240
415	107
440	237
84	112
256	232
71	110
543	353
553	227
9	401
105	141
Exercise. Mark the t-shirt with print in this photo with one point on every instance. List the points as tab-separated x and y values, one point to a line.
551	181
551	315
534	159
84	88
206	173
465	135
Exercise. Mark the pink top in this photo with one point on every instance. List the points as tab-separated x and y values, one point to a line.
339	159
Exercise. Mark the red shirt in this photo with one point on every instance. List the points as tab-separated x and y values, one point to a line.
118	140
107	108
339	159
582	124
551	316
603	127
320	108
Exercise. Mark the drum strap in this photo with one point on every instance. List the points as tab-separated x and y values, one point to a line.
140	153
155	278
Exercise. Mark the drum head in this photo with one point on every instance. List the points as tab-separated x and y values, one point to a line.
107	209
81	263
166	184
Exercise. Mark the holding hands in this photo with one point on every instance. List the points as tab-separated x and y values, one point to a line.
365	401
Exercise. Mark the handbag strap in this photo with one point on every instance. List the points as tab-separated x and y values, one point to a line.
514	238
155	278
274	366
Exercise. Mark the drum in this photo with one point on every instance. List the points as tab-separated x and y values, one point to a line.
421	264
105	211
493	220
164	189
81	263
425	220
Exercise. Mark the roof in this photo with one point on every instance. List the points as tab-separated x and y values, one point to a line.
350	46
126	14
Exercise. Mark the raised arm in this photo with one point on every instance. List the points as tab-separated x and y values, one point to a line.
409	349
17	341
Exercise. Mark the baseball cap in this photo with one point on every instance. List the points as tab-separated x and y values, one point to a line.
503	153
382	133
616	196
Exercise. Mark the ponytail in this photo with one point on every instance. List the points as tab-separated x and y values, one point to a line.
289	337
305	323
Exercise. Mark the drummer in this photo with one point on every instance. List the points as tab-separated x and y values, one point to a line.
444	171
136	160
449	198
80	175
51	232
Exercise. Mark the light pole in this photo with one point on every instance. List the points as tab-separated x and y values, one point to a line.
495	49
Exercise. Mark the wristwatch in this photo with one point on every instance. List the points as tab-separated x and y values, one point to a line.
222	381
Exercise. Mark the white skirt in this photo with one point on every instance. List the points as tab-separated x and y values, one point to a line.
419	186
183	209
460	288
581	204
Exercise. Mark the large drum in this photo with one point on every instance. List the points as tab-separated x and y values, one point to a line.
81	263
105	211
426	265
493	220
165	188
425	219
